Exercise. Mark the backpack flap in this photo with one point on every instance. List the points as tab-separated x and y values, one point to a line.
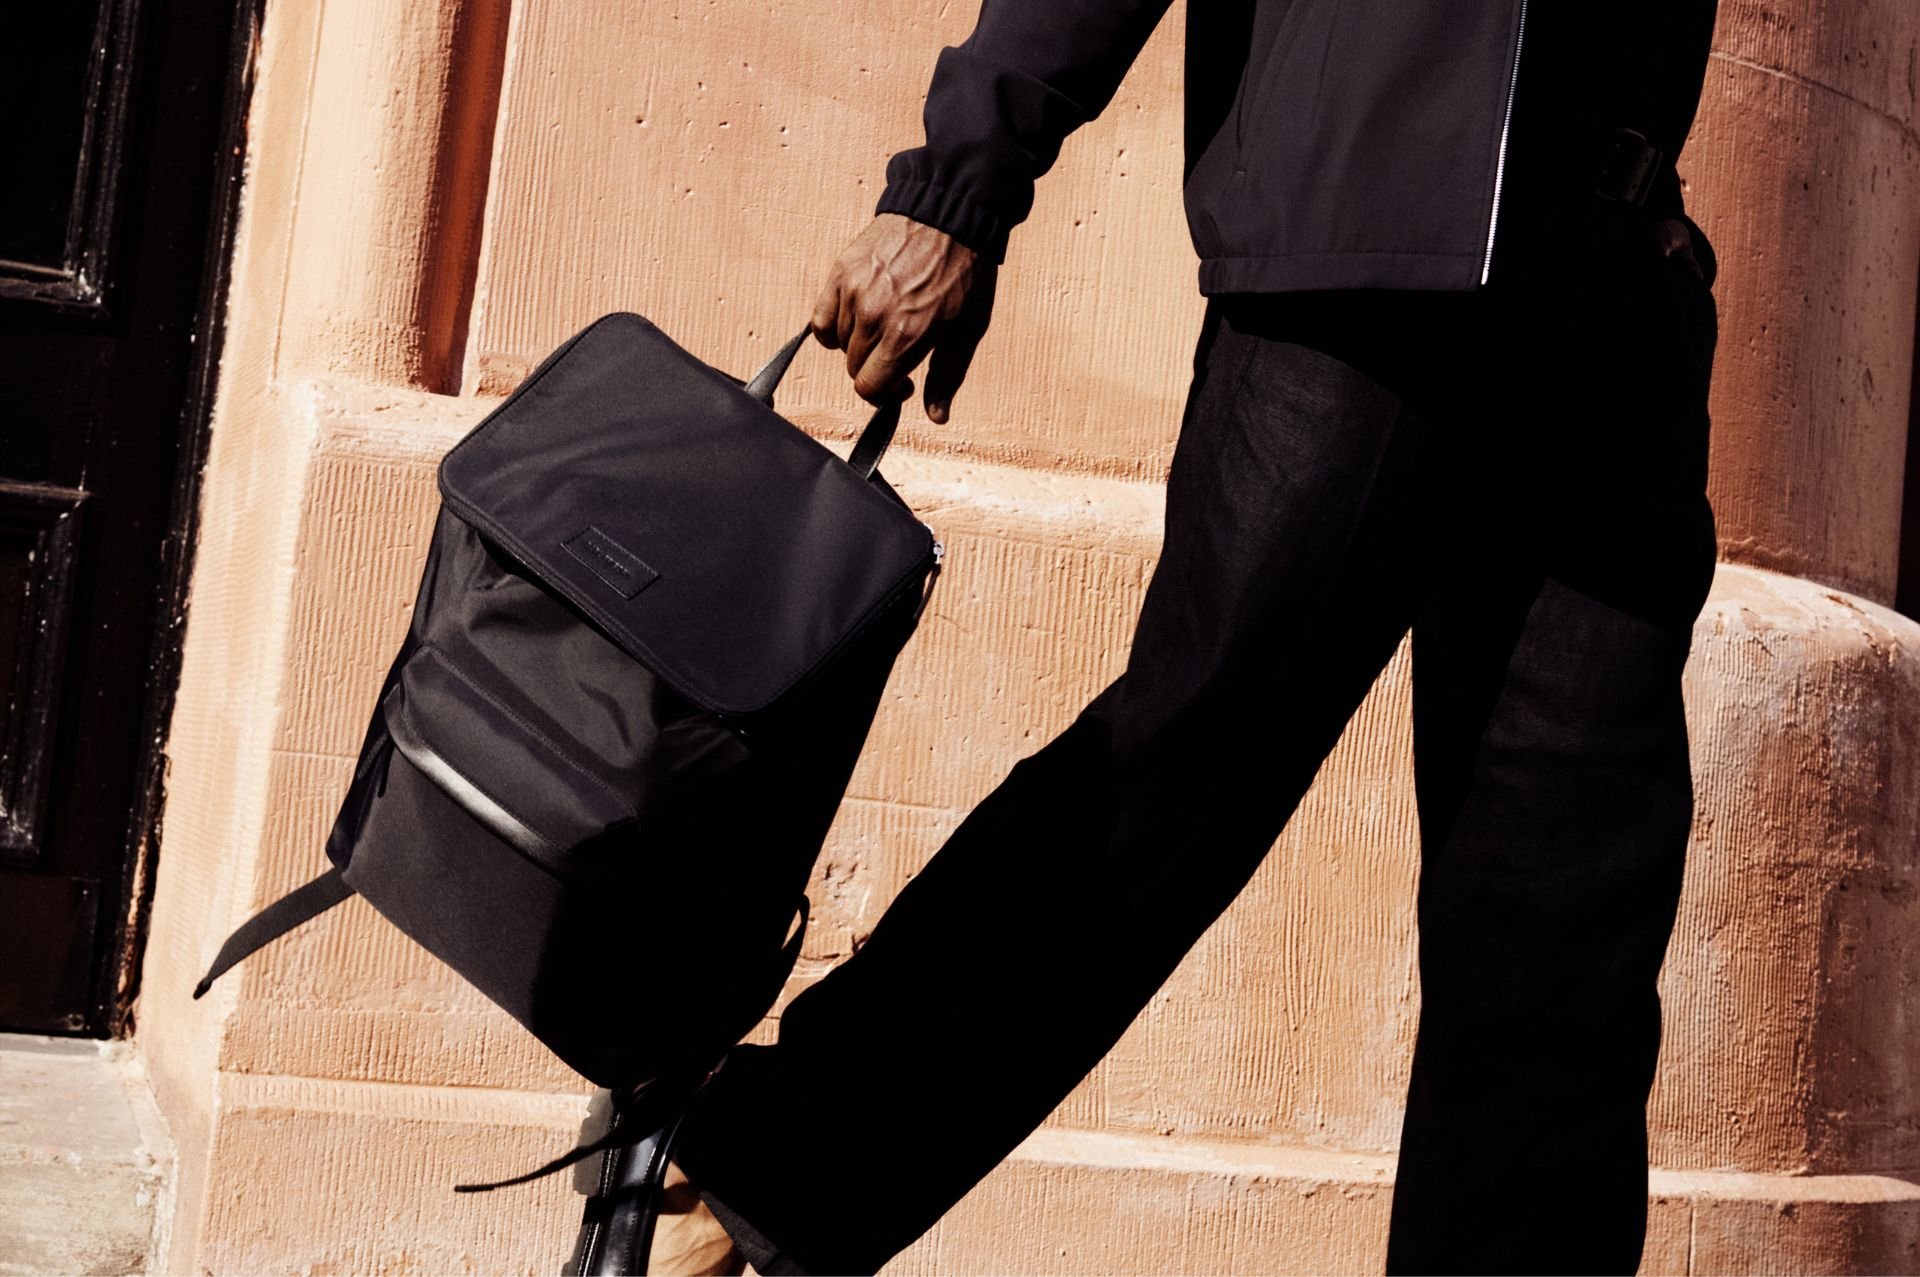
714	541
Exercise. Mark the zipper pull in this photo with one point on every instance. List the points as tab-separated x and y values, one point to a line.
939	556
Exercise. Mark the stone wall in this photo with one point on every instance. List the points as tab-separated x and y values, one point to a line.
437	194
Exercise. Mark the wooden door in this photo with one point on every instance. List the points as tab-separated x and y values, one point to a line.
117	172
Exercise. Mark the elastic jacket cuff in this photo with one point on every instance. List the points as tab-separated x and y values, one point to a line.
944	208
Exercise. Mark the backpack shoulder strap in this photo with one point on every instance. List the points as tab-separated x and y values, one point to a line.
302	904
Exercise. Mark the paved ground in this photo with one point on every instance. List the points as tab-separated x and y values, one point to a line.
84	1161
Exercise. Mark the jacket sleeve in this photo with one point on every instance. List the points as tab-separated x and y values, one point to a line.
1001	103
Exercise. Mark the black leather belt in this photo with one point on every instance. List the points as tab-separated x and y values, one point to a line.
1613	160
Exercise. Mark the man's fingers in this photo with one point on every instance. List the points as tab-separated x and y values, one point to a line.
887	297
948	368
863	341
846	319
880	374
959	339
875	361
1675	238
826	314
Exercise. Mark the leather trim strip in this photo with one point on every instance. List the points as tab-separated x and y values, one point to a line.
471	799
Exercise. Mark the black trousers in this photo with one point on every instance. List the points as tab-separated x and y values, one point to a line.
1518	476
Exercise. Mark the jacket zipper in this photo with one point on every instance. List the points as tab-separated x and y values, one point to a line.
1506	122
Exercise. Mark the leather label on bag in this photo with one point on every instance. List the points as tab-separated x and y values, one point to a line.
612	562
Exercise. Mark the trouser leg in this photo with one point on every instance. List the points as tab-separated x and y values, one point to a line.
1550	874
1555	793
1012	963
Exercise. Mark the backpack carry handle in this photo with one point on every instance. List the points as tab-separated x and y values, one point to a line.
873	441
764	381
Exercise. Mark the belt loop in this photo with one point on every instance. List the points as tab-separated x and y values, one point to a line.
1628	166
1597	154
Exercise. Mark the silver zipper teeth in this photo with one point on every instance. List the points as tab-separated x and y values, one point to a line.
1500	166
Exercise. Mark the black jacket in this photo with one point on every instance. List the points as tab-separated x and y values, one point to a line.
1329	143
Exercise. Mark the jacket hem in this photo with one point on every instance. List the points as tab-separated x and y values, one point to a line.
1298	272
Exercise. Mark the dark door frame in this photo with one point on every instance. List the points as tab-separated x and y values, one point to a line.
188	67
1907	591
237	66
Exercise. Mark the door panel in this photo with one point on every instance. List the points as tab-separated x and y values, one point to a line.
114	224
45	80
39	540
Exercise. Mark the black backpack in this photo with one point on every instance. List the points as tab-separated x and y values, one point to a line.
654	624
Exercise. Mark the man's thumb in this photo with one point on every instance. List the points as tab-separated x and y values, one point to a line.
946	369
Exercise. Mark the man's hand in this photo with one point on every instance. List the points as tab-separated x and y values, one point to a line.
900	289
1674	236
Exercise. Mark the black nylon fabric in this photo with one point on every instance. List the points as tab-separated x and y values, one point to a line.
584	767
568	957
1328	144
705	878
751	550
514	686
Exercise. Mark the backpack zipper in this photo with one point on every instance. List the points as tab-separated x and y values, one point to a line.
1506	122
933	575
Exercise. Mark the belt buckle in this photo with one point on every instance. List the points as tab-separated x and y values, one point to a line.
1627	168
